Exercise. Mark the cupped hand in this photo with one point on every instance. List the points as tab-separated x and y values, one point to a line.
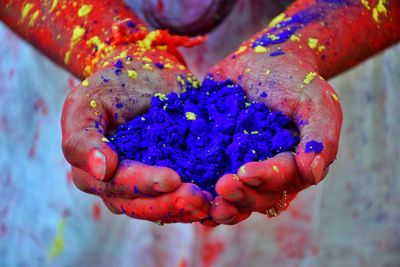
93	110
290	84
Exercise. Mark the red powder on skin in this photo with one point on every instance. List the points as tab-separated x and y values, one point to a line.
96	212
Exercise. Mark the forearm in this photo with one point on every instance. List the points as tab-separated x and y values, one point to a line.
83	36
332	36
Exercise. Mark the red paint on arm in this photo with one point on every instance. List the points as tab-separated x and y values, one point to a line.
346	35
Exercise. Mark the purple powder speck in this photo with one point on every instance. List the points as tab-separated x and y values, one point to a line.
119	64
314	146
119	105
277	53
205	133
130	24
159	65
263	94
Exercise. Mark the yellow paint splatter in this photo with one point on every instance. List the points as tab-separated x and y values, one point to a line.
58	243
335	97
267	71
294	38
275	168
254	132
53	5
95	40
147	66
148	40
247	70
260	49
181	67
378	9
132	74
277	20
190	116
366	4
241	49
84	10
273	37
85	82
161	96
168	66
146	59
34	18
309	77
312	43
25	10
242	170
77	34
93	104
321	48
105	140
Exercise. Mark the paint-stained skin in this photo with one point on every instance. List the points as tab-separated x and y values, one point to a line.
323	231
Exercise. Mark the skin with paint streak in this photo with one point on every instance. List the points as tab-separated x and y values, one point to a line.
312	104
295	84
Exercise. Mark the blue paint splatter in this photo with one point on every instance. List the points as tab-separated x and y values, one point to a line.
314	146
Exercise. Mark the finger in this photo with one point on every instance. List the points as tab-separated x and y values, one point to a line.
84	122
244	197
136	179
319	118
273	175
187	204
222	211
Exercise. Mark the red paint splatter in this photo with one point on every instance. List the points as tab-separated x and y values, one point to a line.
69	177
41	106
96	212
71	82
183	263
211	249
3	229
32	150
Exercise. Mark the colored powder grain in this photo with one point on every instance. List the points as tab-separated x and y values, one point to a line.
118	64
130	24
263	94
159	65
132	74
309	77
93	104
84	10
277	53
260	49
204	133
314	146
85	82
312	43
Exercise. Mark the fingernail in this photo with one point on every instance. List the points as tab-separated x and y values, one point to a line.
242	171
317	168
98	165
227	220
252	181
235	195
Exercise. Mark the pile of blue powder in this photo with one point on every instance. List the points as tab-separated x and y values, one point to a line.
205	133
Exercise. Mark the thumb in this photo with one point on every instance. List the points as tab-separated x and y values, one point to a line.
319	119
84	122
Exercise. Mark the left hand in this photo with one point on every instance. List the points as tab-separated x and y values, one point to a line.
268	186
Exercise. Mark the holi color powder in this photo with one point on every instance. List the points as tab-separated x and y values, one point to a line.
205	133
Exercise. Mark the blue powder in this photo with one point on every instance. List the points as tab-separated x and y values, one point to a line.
314	146
276	53
205	133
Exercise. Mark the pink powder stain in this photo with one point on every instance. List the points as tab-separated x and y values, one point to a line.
96	212
211	249
32	150
293	240
40	106
69	177
3	229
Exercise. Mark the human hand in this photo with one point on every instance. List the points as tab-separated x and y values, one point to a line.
93	109
290	84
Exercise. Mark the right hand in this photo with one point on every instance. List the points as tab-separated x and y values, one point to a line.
140	191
